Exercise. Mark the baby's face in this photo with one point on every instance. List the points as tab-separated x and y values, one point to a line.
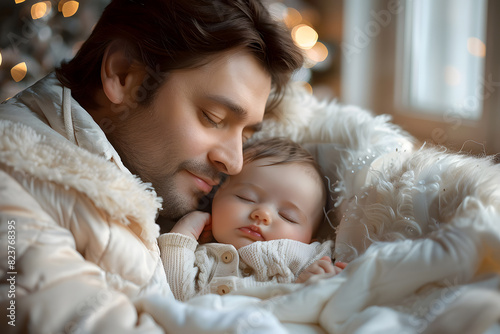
267	203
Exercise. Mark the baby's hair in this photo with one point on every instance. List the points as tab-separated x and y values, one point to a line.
284	151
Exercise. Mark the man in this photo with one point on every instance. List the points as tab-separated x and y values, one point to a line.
158	101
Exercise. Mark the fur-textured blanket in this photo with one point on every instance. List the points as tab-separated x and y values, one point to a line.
420	227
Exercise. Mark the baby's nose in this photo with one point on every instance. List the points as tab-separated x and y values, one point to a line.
261	216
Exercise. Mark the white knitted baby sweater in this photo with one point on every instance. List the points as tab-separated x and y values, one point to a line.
194	269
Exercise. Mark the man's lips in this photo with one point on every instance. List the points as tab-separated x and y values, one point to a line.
204	184
253	232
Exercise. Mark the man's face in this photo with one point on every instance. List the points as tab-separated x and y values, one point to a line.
267	203
193	130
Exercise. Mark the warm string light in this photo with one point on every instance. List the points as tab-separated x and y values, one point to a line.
318	52
39	10
19	71
68	8
305	36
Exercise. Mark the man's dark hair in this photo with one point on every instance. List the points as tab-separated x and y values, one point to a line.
167	35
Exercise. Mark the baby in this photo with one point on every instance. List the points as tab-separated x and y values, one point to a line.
263	220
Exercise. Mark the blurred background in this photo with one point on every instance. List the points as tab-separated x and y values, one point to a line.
433	65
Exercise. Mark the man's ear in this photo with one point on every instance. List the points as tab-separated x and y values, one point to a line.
118	75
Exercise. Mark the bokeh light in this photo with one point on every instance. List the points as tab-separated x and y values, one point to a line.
19	71
41	33
40	9
69	8
304	36
318	52
476	47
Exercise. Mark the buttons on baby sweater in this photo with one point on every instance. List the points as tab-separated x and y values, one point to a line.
227	257
247	271
225	269
223	289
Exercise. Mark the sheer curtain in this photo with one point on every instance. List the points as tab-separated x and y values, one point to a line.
434	65
444	56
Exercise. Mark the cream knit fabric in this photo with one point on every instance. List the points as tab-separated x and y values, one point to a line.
194	269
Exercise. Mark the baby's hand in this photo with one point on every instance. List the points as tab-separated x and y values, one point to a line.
322	266
193	224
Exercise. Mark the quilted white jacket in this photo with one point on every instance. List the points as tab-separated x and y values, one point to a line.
80	230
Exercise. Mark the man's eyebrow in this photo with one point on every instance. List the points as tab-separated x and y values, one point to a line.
235	108
229	104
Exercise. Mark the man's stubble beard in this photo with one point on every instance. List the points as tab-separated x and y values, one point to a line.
175	205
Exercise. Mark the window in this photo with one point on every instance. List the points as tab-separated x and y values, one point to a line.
433	65
443	54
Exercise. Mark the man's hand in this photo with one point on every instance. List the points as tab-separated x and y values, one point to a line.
193	224
322	266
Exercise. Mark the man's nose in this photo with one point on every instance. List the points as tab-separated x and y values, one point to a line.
228	156
261	216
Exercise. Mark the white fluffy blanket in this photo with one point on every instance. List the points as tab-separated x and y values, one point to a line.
420	228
